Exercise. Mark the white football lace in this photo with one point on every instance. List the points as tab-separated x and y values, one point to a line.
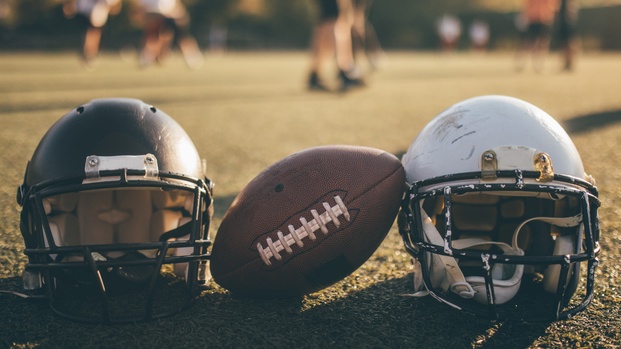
308	229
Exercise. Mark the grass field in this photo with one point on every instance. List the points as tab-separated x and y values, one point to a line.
245	111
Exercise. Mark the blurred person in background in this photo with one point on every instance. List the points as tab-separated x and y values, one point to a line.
92	16
479	35
448	28
568	17
165	21
332	37
6	12
217	37
539	17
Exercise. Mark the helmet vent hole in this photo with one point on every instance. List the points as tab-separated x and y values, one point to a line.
153	110
80	109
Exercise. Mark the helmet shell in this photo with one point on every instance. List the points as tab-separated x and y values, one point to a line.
113	229
112	127
454	141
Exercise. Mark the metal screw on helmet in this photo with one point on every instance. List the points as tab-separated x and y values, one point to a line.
489	165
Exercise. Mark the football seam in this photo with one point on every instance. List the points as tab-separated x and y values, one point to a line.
392	173
283	244
308	229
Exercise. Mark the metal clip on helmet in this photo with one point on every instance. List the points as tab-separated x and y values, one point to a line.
116	212
501	218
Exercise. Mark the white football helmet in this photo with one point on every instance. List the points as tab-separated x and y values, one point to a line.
500	215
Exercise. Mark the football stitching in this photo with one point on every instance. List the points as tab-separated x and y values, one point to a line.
308	229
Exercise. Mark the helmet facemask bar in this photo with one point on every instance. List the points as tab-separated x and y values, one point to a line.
46	256
418	245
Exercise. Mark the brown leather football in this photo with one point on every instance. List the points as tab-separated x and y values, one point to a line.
307	221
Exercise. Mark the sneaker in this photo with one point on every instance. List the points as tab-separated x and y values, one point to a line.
350	80
314	84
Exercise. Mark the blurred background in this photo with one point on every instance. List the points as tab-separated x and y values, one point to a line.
287	25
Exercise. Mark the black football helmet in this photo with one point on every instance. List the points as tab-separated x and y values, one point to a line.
115	214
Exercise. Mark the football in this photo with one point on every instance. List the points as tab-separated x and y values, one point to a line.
307	221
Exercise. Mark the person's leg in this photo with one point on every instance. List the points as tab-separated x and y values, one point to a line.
322	48
568	44
189	47
541	45
151	39
90	49
349	75
166	36
343	37
322	42
525	47
569	52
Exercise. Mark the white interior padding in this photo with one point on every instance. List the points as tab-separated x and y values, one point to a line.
562	246
163	221
512	209
468	217
92	229
181	269
169	199
188	204
475	199
118	217
61	203
506	278
482	222
167	220
65	230
524	239
138	203
47	206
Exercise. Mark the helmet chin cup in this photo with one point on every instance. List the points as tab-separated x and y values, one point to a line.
504	289
464	289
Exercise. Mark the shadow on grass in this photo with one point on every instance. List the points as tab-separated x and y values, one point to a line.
377	316
585	123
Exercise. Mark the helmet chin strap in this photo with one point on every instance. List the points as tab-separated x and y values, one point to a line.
563	245
447	275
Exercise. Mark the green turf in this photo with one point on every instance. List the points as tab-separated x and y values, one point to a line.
245	111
